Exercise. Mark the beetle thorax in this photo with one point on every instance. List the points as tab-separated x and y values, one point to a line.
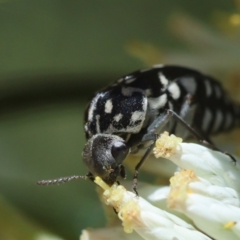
113	111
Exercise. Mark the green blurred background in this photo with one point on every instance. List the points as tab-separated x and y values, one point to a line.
53	56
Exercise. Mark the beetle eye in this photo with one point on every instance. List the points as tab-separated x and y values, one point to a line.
119	151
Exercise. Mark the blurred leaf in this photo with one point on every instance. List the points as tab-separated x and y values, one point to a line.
14	225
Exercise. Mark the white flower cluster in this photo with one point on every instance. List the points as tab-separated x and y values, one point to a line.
202	201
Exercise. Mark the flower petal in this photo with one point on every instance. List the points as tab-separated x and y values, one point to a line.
147	220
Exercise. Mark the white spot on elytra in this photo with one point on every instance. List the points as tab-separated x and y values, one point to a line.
157	103
137	115
208	87
174	90
163	79
218	120
206	119
108	106
189	84
118	117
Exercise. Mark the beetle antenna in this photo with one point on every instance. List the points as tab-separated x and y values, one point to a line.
64	179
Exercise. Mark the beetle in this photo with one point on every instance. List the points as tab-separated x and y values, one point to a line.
128	115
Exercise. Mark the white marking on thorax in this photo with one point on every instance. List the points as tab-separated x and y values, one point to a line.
189	84
93	106
218	120
174	90
157	103
137	115
134	126
118	117
108	106
98	124
208	87
128	91
207	117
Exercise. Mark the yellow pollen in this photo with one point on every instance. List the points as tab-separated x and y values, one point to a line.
229	225
166	145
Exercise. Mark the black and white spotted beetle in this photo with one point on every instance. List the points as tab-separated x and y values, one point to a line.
127	115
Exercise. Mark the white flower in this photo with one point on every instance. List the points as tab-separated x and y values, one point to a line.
147	220
208	192
202	201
